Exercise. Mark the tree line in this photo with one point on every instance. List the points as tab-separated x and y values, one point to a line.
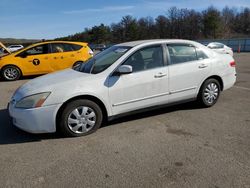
210	23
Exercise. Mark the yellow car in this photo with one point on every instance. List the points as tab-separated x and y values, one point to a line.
42	58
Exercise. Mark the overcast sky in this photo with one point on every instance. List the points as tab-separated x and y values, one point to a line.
48	19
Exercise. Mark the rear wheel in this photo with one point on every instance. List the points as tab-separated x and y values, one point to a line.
209	92
80	117
11	73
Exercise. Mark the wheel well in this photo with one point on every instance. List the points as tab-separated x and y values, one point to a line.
89	97
219	79
77	62
12	66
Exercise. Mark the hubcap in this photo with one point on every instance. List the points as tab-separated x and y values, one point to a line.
211	93
11	73
82	119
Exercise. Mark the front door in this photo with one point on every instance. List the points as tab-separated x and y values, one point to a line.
35	60
146	86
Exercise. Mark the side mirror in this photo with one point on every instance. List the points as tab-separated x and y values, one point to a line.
125	69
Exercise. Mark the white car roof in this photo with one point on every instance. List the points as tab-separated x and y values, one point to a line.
152	41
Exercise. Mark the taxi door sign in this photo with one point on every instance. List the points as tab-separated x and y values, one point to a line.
36	62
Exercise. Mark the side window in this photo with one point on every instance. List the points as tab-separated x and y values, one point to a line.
68	47
37	50
76	47
146	58
200	54
180	53
57	48
64	47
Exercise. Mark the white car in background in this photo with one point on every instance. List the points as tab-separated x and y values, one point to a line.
121	79
220	48
14	48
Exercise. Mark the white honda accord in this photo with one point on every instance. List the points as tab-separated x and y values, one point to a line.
123	78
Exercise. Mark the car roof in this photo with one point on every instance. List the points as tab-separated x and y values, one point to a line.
156	41
211	43
51	42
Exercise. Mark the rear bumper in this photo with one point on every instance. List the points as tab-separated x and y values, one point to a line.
229	80
35	120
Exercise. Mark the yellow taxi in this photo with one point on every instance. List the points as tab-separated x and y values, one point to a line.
42	58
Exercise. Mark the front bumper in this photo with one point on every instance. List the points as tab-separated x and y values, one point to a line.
35	120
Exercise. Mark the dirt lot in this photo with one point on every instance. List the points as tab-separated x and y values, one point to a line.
180	146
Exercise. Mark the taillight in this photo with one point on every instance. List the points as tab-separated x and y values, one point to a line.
233	64
90	52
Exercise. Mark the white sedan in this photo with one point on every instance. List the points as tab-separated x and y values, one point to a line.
124	78
14	48
220	48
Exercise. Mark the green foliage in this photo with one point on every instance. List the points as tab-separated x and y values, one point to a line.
177	23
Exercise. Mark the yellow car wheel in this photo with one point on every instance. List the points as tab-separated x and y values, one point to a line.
10	73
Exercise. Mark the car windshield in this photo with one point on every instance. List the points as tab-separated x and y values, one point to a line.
103	60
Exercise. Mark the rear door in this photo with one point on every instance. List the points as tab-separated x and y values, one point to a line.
188	67
64	56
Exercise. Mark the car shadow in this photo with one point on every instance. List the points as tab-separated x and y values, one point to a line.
9	134
154	112
22	78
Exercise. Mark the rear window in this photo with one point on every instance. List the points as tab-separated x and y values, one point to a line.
64	47
200	54
181	53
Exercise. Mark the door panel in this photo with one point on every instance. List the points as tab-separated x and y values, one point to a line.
138	90
62	56
185	78
146	86
35	60
186	71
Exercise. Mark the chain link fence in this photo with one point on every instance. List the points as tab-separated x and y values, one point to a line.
238	45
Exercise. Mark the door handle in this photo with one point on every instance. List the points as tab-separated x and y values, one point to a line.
160	75
46	58
202	66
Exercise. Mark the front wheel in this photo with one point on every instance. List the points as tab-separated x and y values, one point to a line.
80	117
11	73
209	92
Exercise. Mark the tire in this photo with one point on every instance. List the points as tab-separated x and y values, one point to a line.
11	73
209	92
79	118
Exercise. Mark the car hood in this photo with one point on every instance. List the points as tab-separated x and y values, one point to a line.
51	81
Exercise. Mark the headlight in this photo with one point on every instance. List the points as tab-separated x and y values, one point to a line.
32	101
